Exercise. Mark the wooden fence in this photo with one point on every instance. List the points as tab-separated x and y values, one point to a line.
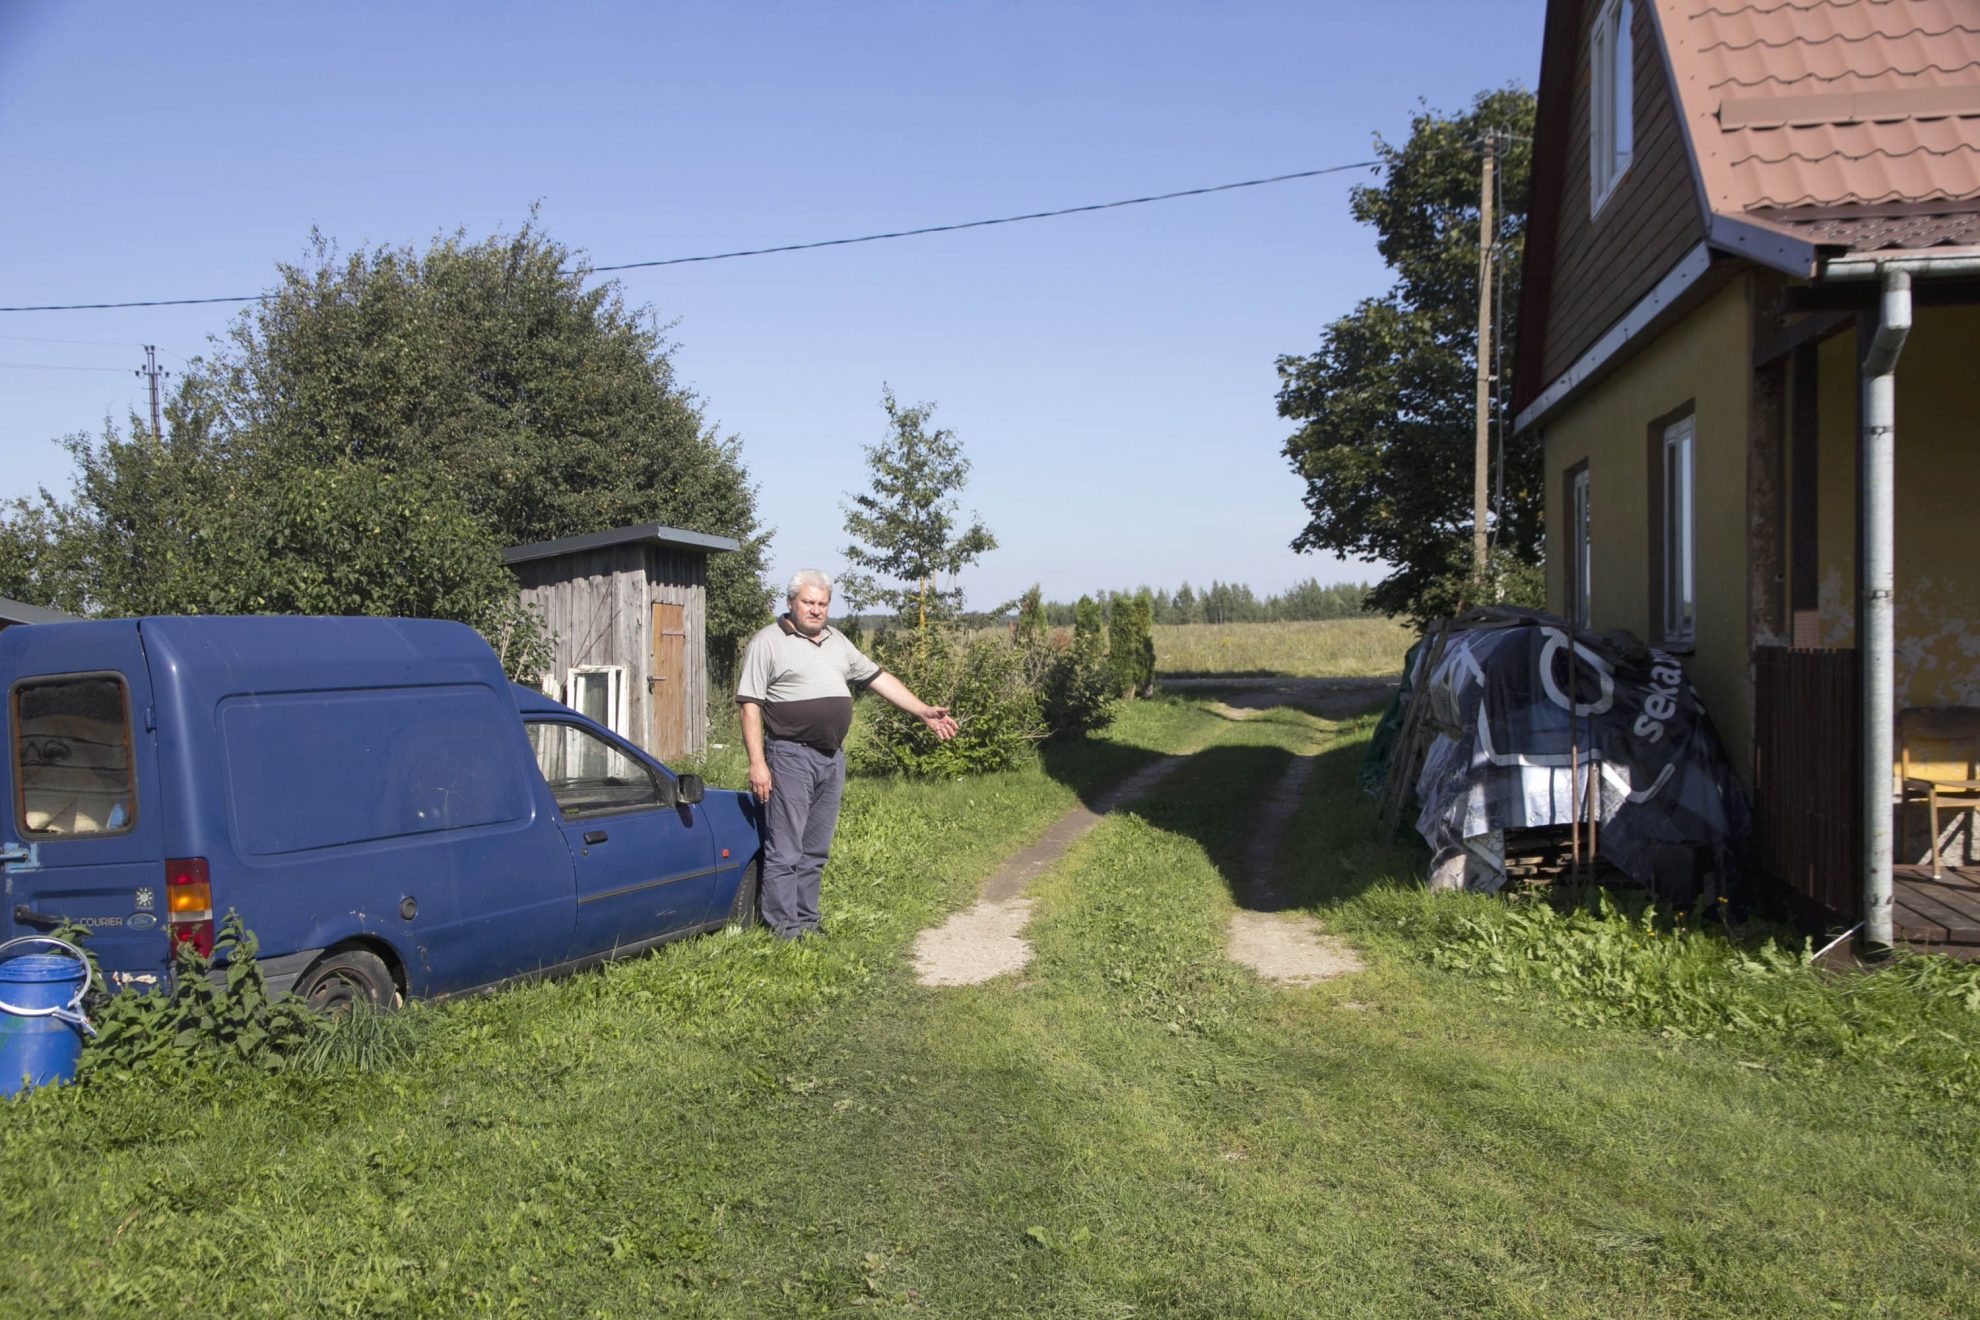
1807	780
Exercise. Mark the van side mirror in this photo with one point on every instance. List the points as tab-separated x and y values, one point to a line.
689	789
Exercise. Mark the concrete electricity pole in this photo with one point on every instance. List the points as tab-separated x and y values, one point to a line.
1487	240
153	374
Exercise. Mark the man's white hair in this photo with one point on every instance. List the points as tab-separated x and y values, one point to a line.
806	577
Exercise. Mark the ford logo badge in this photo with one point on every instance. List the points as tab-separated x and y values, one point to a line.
141	920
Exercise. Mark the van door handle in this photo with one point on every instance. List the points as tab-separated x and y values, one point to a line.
27	916
596	836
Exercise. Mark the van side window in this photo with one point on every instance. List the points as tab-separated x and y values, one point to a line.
587	775
72	757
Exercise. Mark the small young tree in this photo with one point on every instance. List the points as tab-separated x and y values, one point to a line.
905	530
1079	681
1131	645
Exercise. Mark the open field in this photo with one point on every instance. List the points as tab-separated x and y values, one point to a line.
1132	1126
1331	648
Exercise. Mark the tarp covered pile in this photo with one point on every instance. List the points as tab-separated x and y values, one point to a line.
1530	717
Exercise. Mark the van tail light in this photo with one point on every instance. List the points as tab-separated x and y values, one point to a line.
189	904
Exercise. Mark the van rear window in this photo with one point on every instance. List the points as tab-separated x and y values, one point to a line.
312	770
72	757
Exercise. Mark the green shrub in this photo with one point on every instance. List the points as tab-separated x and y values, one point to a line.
1131	645
225	1019
1076	682
983	683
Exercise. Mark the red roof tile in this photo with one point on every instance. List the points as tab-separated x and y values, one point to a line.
1827	103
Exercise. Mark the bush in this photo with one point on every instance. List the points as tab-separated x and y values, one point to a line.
225	1019
1076	682
985	686
1131	645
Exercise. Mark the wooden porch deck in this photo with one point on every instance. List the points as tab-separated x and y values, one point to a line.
1938	916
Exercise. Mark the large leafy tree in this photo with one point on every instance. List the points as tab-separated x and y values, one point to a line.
905	528
1385	406
368	436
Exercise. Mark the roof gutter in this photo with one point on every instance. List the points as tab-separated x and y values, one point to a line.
1949	262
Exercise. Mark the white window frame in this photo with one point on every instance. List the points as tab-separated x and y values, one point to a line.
1680	587
615	693
1611	108
1581	562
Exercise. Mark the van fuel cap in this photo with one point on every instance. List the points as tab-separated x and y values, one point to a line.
408	908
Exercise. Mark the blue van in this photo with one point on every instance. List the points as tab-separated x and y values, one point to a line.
388	814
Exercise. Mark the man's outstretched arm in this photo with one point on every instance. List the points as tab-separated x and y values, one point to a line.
895	692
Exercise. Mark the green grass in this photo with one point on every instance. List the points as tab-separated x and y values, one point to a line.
1132	1126
1332	648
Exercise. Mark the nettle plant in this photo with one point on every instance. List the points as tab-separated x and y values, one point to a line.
225	1016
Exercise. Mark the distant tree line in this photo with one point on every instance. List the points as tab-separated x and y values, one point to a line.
1233	602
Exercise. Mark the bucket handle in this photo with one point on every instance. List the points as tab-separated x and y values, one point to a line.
70	1012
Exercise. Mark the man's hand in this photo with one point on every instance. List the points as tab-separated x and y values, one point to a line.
759	781
938	720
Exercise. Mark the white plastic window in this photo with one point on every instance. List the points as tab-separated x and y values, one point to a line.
1680	540
1611	91
598	692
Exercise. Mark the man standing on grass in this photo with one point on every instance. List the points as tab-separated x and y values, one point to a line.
796	695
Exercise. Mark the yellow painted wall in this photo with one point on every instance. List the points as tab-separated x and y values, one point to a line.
1938	505
1703	359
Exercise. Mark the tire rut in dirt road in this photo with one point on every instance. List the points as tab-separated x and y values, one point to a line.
1287	948
986	940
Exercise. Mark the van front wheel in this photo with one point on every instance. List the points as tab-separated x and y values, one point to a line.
341	977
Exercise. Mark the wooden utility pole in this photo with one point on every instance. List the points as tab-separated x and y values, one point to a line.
1487	235
151	372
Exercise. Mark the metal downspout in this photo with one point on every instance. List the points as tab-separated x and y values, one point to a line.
1877	607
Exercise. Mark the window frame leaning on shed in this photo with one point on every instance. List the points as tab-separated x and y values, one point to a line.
615	694
1611	101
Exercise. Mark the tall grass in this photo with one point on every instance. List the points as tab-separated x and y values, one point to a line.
1330	648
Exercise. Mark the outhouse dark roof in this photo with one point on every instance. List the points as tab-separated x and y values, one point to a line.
645	532
13	611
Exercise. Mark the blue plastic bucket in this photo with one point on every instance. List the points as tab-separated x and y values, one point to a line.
41	1019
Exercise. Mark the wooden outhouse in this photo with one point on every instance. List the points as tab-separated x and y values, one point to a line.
628	609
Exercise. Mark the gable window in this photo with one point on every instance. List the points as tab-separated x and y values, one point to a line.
598	692
1580	566
1610	92
1680	543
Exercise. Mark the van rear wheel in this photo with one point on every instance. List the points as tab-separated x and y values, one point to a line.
342	977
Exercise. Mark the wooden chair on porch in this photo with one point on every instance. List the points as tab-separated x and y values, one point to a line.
1936	746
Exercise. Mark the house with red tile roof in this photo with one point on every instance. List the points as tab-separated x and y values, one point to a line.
1750	317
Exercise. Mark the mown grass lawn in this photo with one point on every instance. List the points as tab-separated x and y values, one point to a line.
1133	1126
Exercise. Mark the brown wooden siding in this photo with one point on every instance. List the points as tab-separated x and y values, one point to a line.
1603	264
1806	774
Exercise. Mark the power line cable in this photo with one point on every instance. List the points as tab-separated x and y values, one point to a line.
53	366
790	247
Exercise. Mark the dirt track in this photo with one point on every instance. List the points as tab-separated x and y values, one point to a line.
986	940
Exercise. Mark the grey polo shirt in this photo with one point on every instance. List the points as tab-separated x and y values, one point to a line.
803	684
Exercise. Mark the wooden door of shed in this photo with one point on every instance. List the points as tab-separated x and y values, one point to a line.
666	682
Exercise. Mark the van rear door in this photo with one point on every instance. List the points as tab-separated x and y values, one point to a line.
81	833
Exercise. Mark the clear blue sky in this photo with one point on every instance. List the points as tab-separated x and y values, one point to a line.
1111	376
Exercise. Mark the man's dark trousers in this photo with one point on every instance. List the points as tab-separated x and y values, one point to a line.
805	786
